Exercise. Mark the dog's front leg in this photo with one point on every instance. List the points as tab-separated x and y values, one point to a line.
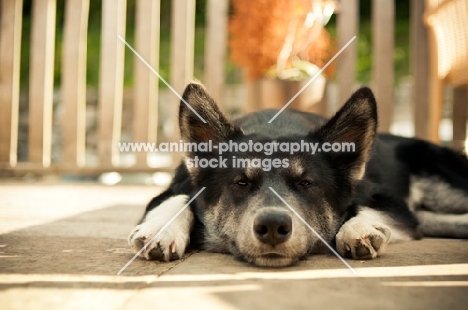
170	243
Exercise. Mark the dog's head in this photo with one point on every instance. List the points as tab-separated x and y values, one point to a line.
255	201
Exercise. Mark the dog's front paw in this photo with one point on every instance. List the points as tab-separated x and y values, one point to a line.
170	243
361	240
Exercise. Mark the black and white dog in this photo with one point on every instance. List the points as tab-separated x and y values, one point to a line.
386	189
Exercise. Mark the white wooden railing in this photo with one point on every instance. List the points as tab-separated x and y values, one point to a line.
73	85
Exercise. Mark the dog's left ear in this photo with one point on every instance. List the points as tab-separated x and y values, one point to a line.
200	118
355	122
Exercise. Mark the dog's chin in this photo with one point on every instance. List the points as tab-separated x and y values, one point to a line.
272	260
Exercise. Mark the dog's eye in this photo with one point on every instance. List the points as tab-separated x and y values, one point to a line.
305	183
242	183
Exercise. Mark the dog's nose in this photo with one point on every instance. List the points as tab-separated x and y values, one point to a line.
273	227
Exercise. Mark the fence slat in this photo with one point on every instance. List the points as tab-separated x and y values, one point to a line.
182	50
420	69
216	47
41	81
348	26
383	25
146	85
74	81
10	44
459	116
254	94
111	79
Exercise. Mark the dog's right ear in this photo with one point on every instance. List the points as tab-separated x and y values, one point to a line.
200	118
355	122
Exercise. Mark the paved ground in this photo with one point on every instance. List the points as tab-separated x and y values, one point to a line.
62	245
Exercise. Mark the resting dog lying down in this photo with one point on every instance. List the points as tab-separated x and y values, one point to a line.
386	188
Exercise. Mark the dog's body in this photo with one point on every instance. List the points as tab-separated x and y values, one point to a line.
390	188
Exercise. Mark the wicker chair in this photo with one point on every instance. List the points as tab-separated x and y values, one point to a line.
447	22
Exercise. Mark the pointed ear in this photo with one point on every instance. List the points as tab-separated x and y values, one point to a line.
355	122
200	118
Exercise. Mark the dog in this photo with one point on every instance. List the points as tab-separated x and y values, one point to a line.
388	188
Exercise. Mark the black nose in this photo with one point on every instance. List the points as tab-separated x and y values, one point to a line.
273	227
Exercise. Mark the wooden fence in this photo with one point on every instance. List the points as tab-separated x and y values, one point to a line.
73	85
110	80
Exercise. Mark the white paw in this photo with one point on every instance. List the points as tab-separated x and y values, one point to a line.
361	240
173	240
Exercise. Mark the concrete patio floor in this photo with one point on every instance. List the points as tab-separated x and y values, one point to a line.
61	246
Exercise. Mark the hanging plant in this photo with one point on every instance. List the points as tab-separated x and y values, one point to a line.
281	39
